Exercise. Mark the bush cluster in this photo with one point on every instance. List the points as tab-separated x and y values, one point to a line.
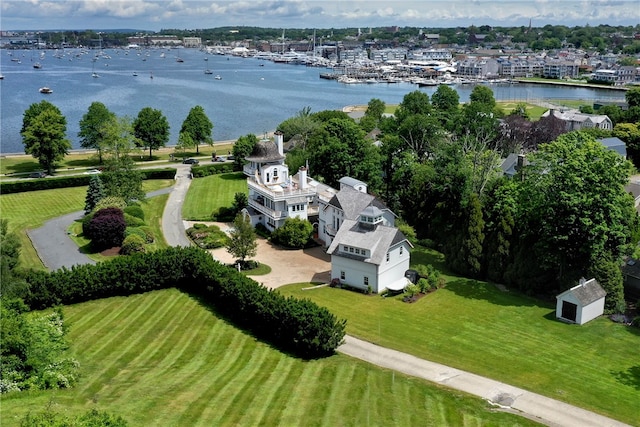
212	169
295	233
72	181
207	237
106	228
298	326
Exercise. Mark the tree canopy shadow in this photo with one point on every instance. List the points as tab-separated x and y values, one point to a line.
630	377
474	289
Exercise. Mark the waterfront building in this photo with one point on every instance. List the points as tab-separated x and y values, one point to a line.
477	67
520	67
560	69
617	76
575	120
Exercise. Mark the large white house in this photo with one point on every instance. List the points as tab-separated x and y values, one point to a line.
367	251
369	255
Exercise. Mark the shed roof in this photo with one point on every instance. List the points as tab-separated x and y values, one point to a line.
587	292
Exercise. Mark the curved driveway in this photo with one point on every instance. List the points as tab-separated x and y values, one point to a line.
56	250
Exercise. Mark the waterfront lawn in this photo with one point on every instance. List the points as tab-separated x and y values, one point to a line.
534	111
162	358
476	327
208	194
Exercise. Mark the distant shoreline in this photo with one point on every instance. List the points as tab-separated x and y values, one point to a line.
570	83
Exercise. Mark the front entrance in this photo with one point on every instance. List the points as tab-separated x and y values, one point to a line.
569	310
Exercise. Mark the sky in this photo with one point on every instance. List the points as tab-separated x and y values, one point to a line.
154	15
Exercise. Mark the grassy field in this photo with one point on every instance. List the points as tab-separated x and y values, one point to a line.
502	335
22	164
163	359
534	111
200	202
33	208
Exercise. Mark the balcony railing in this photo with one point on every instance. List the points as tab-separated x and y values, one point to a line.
260	207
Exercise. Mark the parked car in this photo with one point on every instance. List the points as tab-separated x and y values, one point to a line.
38	175
92	172
190	161
221	159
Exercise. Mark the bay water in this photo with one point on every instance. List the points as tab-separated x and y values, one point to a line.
250	95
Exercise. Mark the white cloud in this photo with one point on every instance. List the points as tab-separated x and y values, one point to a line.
156	14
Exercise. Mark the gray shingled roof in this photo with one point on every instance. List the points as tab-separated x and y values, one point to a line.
588	292
353	202
378	241
265	151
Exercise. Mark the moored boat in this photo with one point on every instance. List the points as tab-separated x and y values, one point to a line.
45	90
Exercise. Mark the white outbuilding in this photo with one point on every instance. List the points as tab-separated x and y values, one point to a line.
582	303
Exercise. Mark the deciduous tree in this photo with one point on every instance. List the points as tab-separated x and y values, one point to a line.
43	134
92	131
242	239
151	129
198	126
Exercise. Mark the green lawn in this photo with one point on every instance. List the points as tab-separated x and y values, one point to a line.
33	208
162	358
206	195
502	335
534	111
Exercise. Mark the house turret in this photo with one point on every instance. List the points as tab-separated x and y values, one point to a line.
370	218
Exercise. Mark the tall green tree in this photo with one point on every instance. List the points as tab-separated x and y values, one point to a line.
415	102
198	126
151	129
575	207
95	192
242	239
632	96
301	126
92	127
117	142
242	148
43	133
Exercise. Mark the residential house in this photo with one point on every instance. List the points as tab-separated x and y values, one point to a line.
347	204
575	120
582	303
618	75
369	255
615	144
274	195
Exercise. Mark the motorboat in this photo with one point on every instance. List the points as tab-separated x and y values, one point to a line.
45	90
208	71
218	77
37	65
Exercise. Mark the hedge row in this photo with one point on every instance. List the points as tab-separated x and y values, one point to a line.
212	169
72	181
298	326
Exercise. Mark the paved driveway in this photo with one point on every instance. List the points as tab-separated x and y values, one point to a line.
287	266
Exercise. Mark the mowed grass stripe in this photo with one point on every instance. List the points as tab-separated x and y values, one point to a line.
219	367
216	378
340	392
225	389
266	392
125	343
239	394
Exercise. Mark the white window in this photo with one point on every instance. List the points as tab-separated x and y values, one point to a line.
342	275
357	251
401	250
387	256
366	281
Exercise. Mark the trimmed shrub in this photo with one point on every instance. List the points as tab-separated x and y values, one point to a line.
134	210
110	202
132	244
298	326
106	228
148	233
224	214
212	169
133	221
294	233
210	237
73	181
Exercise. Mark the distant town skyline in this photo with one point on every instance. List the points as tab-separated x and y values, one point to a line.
154	15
